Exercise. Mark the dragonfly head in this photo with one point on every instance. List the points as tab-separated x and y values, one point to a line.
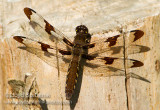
82	29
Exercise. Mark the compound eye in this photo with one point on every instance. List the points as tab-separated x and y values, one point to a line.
81	28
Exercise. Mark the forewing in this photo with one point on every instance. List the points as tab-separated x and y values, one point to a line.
44	29
115	45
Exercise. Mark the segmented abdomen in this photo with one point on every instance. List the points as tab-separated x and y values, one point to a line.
72	76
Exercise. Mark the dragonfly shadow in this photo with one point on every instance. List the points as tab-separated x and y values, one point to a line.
142	48
46	56
43	104
120	72
116	51
75	96
134	49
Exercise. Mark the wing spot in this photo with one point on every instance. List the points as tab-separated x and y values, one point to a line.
112	40
136	63
28	12
109	60
138	34
19	39
49	27
44	47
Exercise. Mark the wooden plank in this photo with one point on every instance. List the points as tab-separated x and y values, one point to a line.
141	93
1	77
103	19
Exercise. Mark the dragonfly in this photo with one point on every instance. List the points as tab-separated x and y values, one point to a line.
51	44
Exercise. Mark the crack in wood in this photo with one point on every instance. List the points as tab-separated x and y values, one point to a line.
125	72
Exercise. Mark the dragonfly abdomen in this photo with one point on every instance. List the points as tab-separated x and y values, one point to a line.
72	76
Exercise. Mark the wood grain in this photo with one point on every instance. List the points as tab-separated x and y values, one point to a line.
104	19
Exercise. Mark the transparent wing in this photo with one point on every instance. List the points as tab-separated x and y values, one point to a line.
115	45
45	52
108	66
45	30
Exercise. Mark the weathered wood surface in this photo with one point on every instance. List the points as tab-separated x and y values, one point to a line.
103	18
